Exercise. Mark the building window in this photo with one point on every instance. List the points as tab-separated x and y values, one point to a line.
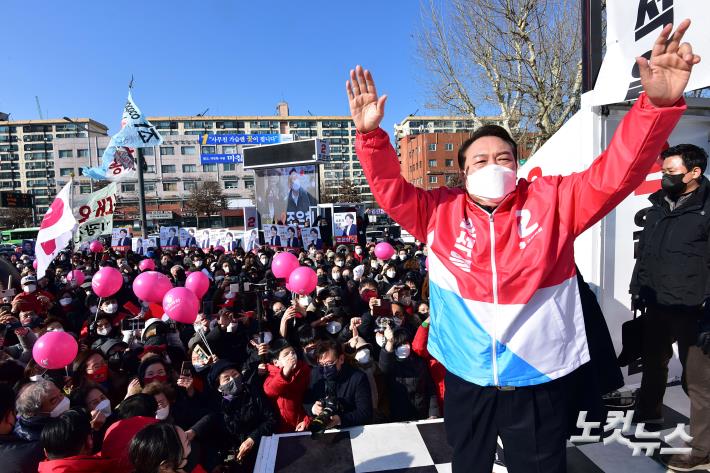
66	153
231	184
432	163
128	187
166	150
188	150
248	183
449	163
229	149
82	153
209	168
66	171
169	186
167	168
189	186
149	186
432	146
100	151
449	146
85	189
189	168
150	168
229	167
148	152
209	149
433	179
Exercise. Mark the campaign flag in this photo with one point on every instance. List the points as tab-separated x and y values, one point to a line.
56	229
118	161
94	215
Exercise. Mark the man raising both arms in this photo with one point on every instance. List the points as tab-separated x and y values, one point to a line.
506	317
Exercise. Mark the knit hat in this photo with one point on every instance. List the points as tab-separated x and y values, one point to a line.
217	369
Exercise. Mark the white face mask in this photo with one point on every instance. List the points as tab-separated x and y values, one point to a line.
111	308
60	408
304	301
340	264
358	250
374	264
492	182
264	261
29	288
363	356
268	337
55	329
380	339
104	407
391	274
66	301
336	276
162	413
198	263
103	331
402	352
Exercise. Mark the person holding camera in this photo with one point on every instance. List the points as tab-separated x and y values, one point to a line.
338	395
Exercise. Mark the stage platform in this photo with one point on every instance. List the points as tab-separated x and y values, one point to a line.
420	447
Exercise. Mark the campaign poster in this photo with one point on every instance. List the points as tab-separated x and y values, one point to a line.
293	237
251	219
311	236
275	235
121	238
284	195
188	237
94	214
203	238
217	236
169	238
345	227
230	240
28	247
250	240
137	246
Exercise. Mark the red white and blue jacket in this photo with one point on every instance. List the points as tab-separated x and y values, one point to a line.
505	307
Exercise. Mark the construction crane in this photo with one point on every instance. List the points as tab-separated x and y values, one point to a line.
39	109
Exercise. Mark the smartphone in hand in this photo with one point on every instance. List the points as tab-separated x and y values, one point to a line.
186	370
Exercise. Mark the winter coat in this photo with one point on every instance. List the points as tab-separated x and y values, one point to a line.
412	394
287	394
352	390
19	455
80	464
436	369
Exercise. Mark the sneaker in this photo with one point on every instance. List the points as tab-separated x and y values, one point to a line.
687	462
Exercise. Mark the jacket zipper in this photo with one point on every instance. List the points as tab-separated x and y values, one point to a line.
495	298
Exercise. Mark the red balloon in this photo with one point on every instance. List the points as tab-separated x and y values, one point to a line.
303	280
107	281
55	350
77	276
151	286
283	264
181	305
96	246
146	265
198	283
384	250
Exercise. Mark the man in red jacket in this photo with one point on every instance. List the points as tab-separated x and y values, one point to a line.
286	385
68	443
506	317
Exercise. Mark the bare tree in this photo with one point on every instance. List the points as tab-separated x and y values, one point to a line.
16	217
520	58
207	198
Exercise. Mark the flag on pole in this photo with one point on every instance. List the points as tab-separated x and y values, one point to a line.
56	229
118	161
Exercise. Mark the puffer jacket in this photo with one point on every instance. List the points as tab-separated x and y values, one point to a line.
505	305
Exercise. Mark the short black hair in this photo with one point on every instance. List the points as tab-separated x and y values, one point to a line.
66	435
314	231
350	216
292	170
325	346
692	156
153	445
487	130
7	400
136	405
123	230
172	229
273	227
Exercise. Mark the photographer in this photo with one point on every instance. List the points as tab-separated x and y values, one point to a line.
338	386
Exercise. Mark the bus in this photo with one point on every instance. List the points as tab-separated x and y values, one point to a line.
14	236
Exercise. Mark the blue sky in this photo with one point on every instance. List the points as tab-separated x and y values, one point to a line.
235	57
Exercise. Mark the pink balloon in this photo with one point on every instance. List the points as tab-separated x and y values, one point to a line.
198	283
55	350
181	305
151	286
384	250
107	281
76	276
96	246
283	264
146	265
34	264
303	280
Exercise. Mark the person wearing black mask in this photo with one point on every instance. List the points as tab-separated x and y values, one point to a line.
671	281
346	386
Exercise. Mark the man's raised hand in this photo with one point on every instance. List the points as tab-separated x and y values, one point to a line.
366	108
666	75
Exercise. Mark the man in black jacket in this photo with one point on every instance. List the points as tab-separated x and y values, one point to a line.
349	386
18	454
672	280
